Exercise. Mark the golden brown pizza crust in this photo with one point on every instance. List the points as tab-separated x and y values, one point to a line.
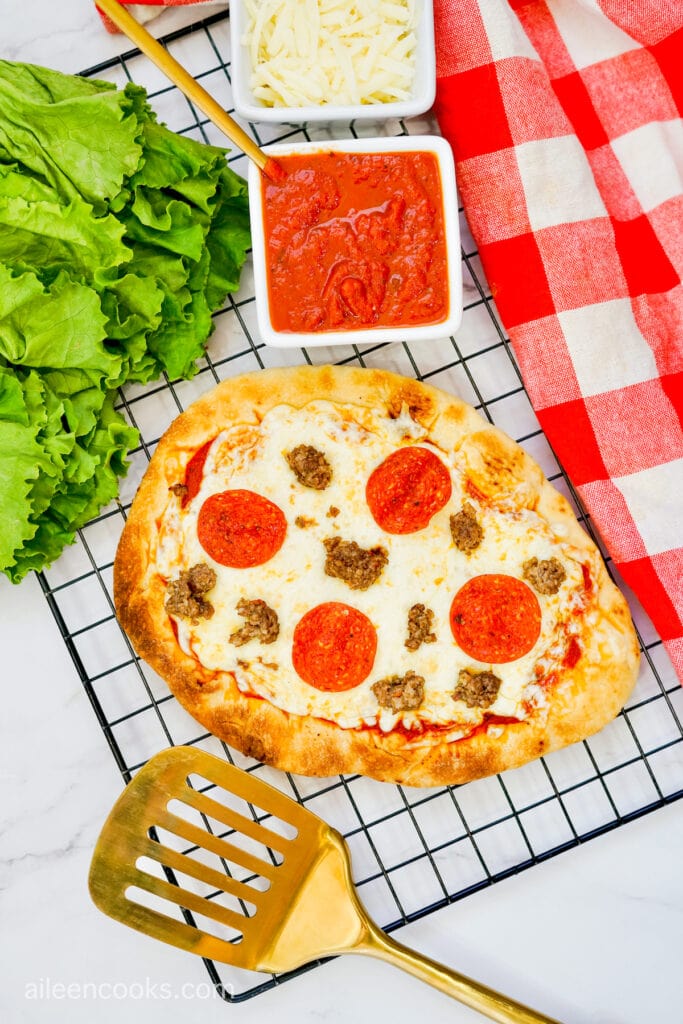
581	701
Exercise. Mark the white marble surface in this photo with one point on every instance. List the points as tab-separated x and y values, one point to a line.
590	936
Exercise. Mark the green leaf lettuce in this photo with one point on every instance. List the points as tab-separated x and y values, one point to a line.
118	240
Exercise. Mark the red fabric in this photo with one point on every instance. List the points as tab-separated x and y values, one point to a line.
565	122
145	16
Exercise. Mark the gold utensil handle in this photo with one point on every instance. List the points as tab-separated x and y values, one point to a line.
473	994
180	77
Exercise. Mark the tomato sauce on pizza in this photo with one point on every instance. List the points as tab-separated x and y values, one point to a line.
193	474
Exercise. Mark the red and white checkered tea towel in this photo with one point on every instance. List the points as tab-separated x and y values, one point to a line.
565	121
146	10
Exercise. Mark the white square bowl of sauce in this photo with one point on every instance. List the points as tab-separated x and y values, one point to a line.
320	90
357	242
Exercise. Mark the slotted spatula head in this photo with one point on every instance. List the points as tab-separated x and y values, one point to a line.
276	892
274	886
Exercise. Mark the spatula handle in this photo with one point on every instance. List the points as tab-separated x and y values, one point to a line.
180	77
479	997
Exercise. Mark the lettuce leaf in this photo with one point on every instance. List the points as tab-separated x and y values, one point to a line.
118	240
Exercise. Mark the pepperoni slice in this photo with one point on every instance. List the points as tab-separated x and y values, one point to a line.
240	529
334	647
495	618
194	472
407	489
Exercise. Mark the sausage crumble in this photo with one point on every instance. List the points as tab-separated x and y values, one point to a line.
357	566
185	596
476	689
466	532
420	620
309	466
303	522
400	693
546	576
273	665
260	623
179	490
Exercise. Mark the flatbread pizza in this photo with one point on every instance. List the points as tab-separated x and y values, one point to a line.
341	570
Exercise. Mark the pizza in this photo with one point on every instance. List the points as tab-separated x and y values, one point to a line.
342	570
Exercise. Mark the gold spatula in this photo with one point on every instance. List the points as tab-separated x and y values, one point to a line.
281	894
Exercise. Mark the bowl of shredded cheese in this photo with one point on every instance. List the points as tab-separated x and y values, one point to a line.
356	241
332	60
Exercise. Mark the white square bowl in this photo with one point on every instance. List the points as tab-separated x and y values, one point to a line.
252	109
365	335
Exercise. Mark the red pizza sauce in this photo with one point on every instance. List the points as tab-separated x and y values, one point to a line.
355	240
495	618
572	654
194	472
420	729
407	489
334	647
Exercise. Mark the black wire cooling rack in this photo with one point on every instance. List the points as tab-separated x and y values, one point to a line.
413	850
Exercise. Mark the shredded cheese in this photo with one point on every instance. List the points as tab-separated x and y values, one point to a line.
319	52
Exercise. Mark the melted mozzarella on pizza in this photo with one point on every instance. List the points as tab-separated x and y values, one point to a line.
423	567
